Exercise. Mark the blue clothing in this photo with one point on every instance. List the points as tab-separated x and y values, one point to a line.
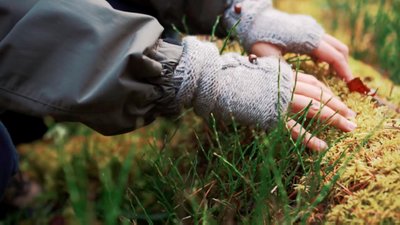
8	159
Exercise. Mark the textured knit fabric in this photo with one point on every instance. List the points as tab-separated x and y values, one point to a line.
230	85
259	21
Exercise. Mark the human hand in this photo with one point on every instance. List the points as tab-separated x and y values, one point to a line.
232	85
336	54
321	102
329	50
308	91
257	21
262	24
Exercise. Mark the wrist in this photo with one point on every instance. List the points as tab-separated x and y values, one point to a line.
199	61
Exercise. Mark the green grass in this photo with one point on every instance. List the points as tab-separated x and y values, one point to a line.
374	30
186	172
231	173
215	174
191	173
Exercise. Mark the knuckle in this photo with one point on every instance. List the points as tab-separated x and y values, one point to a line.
325	117
329	117
311	139
296	129
336	119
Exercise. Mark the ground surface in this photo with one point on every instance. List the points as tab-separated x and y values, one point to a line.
185	172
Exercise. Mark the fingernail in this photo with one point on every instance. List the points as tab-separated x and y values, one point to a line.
351	125
322	145
351	114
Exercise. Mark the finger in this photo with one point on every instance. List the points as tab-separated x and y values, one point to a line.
264	49
340	46
329	54
331	101
312	142
324	114
309	79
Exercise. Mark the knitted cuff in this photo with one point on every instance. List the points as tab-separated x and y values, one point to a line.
259	22
197	56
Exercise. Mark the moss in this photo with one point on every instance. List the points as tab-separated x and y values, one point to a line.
368	190
378	203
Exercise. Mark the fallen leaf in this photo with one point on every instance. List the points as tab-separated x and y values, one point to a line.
356	85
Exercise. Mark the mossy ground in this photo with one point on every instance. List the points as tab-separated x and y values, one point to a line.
185	172
368	159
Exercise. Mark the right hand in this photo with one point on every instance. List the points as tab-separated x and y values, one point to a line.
232	85
310	90
324	105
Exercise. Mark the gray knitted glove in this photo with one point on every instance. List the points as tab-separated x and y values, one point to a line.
230	85
261	22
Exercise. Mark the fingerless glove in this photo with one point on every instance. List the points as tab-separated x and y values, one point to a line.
260	22
231	85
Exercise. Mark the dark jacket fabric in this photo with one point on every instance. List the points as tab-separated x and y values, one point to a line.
192	17
84	61
8	159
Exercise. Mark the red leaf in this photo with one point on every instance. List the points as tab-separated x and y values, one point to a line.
356	85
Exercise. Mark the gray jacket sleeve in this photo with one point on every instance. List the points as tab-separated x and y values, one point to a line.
81	60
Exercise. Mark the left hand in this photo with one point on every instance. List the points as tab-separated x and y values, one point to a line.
336	54
329	50
260	24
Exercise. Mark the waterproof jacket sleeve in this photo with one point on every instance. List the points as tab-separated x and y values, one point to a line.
82	60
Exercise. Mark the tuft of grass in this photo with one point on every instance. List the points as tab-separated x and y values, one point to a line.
374	31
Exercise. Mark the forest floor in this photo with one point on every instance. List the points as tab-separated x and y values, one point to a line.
188	172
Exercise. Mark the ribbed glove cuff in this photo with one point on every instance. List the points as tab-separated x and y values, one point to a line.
199	61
